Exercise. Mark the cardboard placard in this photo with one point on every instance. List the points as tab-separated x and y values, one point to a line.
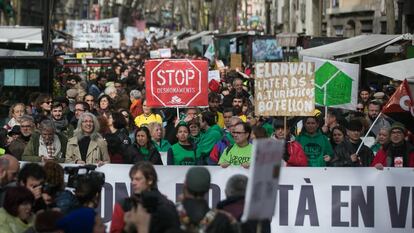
284	89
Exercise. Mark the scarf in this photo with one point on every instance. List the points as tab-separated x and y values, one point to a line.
60	125
52	150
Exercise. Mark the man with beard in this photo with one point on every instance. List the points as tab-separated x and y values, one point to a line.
16	147
213	106
237	104
62	125
374	108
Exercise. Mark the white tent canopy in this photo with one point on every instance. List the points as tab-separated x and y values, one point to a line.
352	47
183	44
399	70
26	35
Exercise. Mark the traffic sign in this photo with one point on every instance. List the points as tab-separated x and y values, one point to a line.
176	83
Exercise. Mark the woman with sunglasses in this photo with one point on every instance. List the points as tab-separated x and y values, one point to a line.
43	106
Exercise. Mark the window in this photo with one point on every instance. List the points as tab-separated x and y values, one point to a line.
335	3
20	77
339	30
366	26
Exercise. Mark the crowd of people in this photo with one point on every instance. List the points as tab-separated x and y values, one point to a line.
104	118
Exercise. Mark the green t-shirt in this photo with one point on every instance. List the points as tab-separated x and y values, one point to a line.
236	155
145	152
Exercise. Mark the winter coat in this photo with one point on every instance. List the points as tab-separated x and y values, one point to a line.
296	154
385	157
31	151
97	151
12	224
344	150
135	155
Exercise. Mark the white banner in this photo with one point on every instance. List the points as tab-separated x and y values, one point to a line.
94	33
320	200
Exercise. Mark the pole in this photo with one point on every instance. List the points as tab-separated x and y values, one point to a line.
259	227
267	17
285	125
178	114
369	130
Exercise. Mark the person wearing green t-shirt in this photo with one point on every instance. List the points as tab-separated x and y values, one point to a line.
316	145
183	152
241	152
157	134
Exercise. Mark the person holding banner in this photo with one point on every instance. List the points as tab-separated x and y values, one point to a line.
399	153
345	153
316	145
294	155
183	152
143	149
240	153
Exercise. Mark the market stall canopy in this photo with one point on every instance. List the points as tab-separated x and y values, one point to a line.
19	53
399	70
174	36
183	44
26	35
353	47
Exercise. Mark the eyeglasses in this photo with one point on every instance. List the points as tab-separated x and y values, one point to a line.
79	110
396	132
360	109
25	126
47	102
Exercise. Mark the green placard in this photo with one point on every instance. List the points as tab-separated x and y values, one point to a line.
333	87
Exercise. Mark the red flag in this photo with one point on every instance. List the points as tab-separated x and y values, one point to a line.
400	106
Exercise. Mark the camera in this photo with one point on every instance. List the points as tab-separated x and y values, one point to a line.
50	189
87	173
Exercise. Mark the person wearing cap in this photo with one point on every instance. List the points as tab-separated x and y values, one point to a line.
345	153
82	220
398	153
240	153
194	211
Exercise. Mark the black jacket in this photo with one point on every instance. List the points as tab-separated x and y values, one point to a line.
135	155
343	152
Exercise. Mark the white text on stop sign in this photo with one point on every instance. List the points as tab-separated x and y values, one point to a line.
175	77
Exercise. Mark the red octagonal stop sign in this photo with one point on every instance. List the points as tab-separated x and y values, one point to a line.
176	83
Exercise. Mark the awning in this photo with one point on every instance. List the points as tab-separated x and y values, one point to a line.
19	53
174	35
399	70
353	47
287	39
26	35
183	44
